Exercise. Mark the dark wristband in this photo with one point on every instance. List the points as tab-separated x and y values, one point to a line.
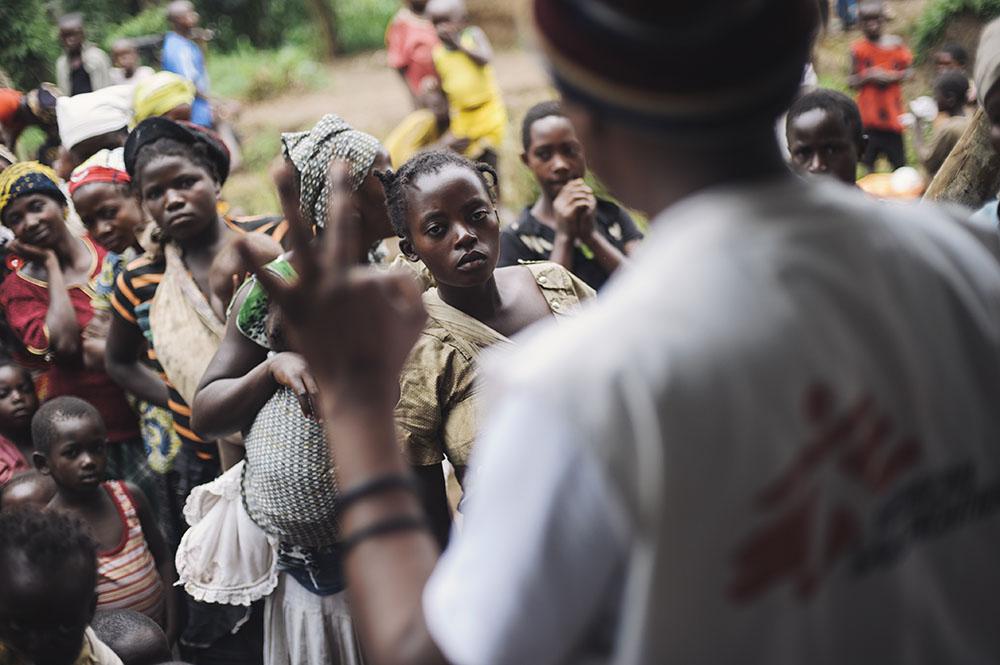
378	485
386	526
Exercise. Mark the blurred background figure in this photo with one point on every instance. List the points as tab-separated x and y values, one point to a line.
82	67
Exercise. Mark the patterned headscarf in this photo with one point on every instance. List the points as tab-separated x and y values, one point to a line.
24	178
160	93
104	166
311	152
42	103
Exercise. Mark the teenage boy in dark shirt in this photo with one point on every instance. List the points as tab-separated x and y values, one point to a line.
568	224
824	134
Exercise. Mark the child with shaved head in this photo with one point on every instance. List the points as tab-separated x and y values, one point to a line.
135	569
136	638
825	136
47	576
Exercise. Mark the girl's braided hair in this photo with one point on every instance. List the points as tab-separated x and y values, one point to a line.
434	161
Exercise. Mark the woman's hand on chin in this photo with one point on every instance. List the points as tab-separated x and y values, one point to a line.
33	253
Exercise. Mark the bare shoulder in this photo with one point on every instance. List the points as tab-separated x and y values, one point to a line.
521	286
137	495
518	277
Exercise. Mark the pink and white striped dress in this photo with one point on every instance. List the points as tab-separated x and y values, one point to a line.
127	577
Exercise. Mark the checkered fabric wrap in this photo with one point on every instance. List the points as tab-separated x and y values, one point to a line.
311	152
288	484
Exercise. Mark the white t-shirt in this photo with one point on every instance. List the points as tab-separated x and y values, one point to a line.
141	72
774	438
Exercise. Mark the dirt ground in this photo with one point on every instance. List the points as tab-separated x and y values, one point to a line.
373	98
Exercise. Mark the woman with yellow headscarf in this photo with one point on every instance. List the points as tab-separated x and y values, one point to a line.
47	302
165	94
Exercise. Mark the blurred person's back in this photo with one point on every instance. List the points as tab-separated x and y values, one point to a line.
796	425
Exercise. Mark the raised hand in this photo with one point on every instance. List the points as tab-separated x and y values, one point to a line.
353	325
41	255
574	207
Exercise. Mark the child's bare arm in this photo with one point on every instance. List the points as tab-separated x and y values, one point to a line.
229	263
163	557
121	360
64	329
241	378
857	78
481	50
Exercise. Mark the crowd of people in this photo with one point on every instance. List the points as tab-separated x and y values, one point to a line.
764	433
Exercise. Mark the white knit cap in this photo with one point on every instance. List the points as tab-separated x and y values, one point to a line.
91	114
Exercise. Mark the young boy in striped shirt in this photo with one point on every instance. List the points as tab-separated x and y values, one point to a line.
134	568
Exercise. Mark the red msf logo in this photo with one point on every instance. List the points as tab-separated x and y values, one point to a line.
813	517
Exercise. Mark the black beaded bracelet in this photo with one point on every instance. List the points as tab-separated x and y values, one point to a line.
386	526
377	485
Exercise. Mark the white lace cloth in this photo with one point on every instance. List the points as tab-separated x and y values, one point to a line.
224	557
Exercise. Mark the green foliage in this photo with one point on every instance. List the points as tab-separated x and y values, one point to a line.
28	43
251	193
260	149
262	22
836	81
361	23
152	21
30	141
251	75
939	13
100	16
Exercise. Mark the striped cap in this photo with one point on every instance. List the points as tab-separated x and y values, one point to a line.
688	65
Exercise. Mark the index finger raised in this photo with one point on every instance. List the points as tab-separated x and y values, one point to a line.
342	235
299	230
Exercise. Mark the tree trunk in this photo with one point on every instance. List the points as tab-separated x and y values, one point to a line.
322	11
971	173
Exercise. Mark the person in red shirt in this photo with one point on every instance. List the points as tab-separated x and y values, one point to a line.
46	300
879	65
409	40
18	403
